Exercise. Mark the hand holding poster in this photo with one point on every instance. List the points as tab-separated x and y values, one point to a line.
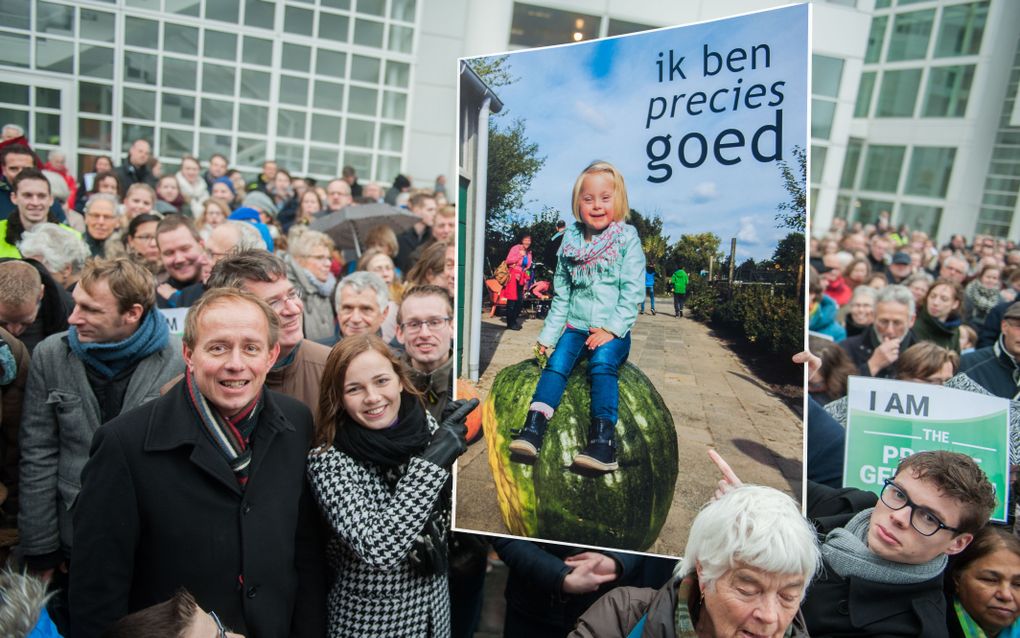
888	420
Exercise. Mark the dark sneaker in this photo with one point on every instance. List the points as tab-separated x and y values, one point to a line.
527	441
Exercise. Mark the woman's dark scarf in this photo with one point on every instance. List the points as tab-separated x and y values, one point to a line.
390	450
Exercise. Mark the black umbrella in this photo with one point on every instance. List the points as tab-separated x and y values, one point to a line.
349	226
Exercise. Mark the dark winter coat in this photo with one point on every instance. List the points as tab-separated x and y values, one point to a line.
992	369
160	509
928	328
861	347
837	606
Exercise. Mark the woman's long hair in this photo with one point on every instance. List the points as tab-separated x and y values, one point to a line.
330	413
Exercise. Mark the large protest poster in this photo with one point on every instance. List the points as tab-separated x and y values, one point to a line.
888	420
699	121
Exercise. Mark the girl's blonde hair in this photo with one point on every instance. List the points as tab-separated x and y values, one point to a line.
621	207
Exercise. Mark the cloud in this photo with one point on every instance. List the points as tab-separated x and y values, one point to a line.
705	192
591	116
748	233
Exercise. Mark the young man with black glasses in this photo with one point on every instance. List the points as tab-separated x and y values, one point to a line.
884	557
425	329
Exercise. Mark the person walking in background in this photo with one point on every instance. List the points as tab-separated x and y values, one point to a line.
649	287
679	280
518	260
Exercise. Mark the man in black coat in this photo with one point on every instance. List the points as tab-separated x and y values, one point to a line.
996	367
884	565
876	350
135	170
204	488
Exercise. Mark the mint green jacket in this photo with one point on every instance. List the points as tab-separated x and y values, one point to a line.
610	302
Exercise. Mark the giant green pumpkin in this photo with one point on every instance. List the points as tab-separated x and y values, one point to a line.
624	509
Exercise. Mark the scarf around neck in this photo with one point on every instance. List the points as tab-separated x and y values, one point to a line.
389	447
588	260
971	629
324	288
846	550
390	450
231	436
110	359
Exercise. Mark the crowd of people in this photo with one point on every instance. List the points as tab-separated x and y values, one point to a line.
137	463
890	303
283	467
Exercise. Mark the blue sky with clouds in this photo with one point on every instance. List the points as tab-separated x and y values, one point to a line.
591	101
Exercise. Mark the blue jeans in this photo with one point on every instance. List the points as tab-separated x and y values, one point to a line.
604	363
651	294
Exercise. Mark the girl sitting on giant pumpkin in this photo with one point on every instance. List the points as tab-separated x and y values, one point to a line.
598	283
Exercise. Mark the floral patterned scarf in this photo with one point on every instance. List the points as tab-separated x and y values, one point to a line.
587	260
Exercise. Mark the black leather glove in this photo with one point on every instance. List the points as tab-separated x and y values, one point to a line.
449	441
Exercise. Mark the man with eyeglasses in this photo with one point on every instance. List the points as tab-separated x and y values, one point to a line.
424	328
298	370
100	222
876	350
884	558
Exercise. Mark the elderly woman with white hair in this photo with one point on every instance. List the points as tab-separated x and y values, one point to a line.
62	252
309	261
750	556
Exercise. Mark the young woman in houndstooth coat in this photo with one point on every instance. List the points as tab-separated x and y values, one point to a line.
380	473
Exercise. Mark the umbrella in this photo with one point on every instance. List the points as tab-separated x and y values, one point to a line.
349	226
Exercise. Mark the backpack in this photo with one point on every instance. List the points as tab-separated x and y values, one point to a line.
502	274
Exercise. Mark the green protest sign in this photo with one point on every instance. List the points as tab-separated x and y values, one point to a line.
888	420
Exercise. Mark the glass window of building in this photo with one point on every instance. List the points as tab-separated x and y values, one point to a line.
817	162
202	77
882	167
402	10
16	14
95	61
898	93
535	26
910	35
826	73
622	27
259	13
875	39
178	38
947	91
854	150
930	169
822	112
961	29
869	211
97	25
920	217
864	92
